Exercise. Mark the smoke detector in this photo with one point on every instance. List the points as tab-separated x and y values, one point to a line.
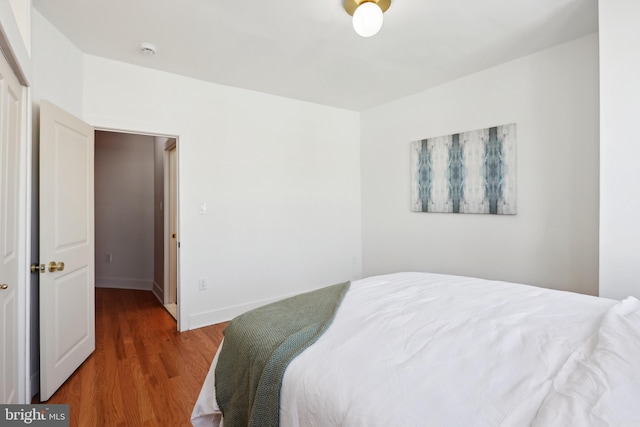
147	49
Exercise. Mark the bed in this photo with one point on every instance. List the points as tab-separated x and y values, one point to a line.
419	349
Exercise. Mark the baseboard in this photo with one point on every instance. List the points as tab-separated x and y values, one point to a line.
35	383
158	291
221	315
124	283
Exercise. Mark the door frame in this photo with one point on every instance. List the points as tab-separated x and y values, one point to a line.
12	46
169	146
110	127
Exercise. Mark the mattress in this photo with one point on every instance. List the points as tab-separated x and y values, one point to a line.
419	349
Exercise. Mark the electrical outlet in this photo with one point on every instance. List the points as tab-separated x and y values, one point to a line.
202	284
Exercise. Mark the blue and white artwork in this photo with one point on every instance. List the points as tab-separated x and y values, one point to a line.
470	172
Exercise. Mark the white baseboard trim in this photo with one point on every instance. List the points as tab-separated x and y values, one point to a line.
124	283
158	291
221	315
35	383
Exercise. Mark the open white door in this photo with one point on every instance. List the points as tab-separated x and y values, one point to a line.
10	100
173	226
67	306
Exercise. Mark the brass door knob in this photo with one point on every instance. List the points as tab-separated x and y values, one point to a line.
56	266
35	268
3	287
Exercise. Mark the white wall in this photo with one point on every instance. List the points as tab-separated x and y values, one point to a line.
22	11
281	180
552	96
124	199
619	148
57	68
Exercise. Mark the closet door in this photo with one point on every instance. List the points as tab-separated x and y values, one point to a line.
10	110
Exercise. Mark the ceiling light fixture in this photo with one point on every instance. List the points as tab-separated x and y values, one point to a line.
367	15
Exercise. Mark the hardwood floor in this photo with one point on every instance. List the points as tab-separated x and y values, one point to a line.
143	372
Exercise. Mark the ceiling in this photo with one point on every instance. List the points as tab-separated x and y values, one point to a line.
307	49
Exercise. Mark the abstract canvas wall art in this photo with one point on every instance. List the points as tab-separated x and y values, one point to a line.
469	172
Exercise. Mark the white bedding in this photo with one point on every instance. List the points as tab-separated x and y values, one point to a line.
600	383
417	349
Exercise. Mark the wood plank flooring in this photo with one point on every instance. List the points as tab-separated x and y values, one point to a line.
143	372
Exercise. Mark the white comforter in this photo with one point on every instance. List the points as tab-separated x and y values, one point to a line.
416	349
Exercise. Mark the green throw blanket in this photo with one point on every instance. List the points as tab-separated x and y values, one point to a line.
259	345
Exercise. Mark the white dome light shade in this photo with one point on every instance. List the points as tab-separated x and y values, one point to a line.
367	19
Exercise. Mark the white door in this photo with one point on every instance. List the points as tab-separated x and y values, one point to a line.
173	226
67	306
10	96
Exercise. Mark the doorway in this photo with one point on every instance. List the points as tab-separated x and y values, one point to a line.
63	132
134	207
171	217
